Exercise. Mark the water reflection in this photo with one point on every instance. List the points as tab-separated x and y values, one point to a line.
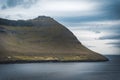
62	71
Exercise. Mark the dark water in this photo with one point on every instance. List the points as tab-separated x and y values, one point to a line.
63	71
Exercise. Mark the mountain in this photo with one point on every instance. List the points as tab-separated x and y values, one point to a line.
41	39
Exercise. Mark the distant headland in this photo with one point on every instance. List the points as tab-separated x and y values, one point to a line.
41	40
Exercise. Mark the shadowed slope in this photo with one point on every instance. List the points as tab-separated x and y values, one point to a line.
41	39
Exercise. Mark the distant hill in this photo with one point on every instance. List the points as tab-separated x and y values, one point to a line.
41	39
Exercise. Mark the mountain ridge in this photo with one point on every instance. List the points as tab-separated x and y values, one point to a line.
29	22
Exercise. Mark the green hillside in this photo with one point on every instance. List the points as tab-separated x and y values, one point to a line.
41	39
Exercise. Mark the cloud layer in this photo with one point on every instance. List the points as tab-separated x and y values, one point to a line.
64	10
54	8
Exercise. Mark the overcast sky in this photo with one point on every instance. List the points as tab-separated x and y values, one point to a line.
78	10
100	18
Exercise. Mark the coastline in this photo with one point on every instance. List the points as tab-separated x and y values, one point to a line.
51	61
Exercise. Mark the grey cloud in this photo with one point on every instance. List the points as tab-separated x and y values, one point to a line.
111	8
113	37
5	4
81	19
78	19
114	44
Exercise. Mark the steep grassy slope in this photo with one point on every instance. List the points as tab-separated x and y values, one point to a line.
41	39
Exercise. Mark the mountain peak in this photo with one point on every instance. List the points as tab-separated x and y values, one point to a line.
39	21
42	18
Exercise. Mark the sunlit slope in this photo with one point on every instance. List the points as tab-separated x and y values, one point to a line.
41	39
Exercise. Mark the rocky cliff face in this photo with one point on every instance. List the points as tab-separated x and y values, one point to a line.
41	39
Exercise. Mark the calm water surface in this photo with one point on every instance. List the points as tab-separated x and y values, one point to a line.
63	71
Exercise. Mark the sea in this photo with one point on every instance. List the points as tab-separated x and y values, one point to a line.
109	70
